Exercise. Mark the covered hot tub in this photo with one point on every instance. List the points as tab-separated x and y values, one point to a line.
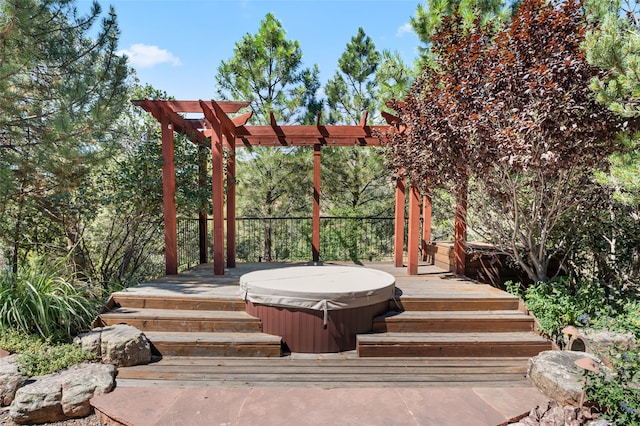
317	308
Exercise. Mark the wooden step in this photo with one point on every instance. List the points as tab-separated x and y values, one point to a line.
182	320
328	371
471	303
453	321
200	344
182	302
518	344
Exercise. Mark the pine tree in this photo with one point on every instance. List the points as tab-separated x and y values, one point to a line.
61	87
265	70
355	181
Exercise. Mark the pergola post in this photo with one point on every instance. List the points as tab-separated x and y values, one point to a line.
414	230
202	213
217	124
231	203
427	209
398	237
217	195
315	233
169	197
460	230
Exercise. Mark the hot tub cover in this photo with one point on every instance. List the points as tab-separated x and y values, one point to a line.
318	287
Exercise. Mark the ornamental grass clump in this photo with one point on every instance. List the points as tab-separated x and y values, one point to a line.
44	300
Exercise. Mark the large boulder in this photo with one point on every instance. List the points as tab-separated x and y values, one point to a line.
62	395
557	376
10	379
121	345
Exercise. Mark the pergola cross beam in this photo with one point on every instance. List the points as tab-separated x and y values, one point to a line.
224	130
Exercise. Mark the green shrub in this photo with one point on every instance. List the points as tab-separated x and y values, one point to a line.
625	320
38	356
618	396
559	302
40	299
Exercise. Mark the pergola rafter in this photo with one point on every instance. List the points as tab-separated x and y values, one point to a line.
226	131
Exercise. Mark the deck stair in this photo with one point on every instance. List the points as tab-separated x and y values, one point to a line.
462	326
345	370
440	331
192	325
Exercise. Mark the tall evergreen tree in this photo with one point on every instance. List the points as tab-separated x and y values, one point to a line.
61	87
393	78
613	43
266	71
355	180
353	88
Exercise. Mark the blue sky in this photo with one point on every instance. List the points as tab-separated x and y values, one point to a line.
177	46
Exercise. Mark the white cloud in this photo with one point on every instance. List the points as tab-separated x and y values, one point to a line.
143	56
405	29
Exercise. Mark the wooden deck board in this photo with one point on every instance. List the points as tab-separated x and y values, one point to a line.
494	338
328	371
461	382
212	355
186	314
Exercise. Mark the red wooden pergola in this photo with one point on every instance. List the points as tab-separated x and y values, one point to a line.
225	132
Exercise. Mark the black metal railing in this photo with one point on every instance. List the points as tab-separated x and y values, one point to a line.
285	239
188	243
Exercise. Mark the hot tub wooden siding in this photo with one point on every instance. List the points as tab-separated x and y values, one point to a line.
303	330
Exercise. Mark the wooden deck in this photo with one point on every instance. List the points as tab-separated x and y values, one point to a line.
440	330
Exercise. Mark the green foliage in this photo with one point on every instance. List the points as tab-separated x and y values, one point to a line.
38	356
617	395
558	303
622	316
61	88
265	70
352	90
393	78
273	182
561	302
430	15
40	299
355	180
613	43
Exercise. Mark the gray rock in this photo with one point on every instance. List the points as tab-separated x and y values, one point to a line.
121	345
124	346
90	341
555	375
83	382
62	395
10	379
